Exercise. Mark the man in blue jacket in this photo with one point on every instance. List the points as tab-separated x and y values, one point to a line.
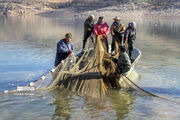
64	49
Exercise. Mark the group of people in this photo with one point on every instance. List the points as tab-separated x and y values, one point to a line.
119	32
121	37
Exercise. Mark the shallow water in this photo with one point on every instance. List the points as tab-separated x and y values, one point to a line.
27	50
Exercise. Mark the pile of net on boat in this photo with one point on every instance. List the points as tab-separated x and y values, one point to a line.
91	72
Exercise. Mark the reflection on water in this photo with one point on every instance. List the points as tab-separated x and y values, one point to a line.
27	50
62	103
117	104
27	47
121	102
160	65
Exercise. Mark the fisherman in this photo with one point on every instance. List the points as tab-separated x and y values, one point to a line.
88	28
130	36
123	61
64	49
102	28
117	32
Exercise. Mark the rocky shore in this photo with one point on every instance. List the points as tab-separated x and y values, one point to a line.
80	8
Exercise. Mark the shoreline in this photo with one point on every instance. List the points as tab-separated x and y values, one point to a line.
54	9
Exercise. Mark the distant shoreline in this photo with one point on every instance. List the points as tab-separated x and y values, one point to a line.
53	9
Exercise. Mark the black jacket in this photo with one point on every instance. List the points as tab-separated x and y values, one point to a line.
88	26
130	34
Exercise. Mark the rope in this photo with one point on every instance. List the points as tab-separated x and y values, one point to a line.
150	94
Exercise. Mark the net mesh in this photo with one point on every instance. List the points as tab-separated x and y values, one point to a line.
90	72
86	74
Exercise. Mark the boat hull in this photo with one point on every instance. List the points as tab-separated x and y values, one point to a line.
131	74
46	80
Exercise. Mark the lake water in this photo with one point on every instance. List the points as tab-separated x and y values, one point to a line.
27	50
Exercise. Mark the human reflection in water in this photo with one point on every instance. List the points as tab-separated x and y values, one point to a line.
62	99
116	105
121	102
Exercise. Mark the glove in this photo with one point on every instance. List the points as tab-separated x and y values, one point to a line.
89	29
118	30
121	33
104	35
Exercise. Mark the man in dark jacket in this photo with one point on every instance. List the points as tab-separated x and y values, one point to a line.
88	28
64	49
130	36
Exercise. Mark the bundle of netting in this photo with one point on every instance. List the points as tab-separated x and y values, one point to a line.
88	72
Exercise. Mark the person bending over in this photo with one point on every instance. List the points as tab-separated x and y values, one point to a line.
123	62
64	49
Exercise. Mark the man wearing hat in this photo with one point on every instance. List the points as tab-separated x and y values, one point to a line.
117	32
64	49
88	28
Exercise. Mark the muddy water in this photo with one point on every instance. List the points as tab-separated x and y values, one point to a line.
27	50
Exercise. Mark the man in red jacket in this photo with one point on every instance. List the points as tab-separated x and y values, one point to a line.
102	28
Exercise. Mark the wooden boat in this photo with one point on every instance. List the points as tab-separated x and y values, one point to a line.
46	80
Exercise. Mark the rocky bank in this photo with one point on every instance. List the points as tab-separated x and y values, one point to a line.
135	8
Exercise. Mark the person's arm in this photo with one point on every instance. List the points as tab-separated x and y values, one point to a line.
107	29
135	34
92	25
62	47
85	24
112	30
72	47
127	63
114	60
71	51
95	30
88	25
126	35
123	29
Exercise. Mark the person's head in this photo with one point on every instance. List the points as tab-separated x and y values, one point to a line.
68	37
101	20
122	49
91	17
117	19
132	25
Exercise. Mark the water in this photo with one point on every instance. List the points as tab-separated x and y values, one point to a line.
27	50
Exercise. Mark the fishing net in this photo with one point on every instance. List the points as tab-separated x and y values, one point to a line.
116	44
87	73
90	72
